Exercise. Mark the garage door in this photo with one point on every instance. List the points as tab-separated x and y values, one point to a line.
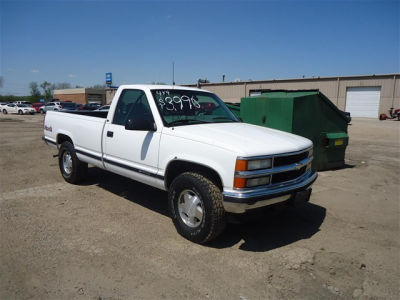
363	101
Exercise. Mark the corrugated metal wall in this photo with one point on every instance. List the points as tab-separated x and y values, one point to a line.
334	88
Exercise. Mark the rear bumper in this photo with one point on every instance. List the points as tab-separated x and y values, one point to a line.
241	201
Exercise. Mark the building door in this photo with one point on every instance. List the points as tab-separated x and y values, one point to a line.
363	101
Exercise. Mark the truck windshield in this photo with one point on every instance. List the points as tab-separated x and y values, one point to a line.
185	107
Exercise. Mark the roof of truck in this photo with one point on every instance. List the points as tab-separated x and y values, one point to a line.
160	87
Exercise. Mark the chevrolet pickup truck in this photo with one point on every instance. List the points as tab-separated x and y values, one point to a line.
187	142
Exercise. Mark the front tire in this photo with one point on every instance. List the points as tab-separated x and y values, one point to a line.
196	207
72	169
20	112
5	111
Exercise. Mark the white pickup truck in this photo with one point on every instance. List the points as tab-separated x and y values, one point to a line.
187	142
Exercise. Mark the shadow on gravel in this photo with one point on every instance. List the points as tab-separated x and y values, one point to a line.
262	231
131	190
272	228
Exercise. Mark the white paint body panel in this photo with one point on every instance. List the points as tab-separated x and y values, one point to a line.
216	145
363	101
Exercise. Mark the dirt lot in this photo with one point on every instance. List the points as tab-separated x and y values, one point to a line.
111	238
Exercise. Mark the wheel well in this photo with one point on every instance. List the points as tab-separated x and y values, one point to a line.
62	138
177	167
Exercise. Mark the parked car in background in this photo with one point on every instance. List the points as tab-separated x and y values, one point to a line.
23	102
37	106
104	108
56	106
90	106
69	106
3	104
21	109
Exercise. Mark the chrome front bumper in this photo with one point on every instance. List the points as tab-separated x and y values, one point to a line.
240	201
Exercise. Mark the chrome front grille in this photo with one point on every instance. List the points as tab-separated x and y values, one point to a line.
289	159
287	176
286	167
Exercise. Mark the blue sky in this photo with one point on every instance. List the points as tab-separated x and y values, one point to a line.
78	41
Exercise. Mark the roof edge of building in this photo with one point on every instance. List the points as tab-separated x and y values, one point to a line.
79	91
299	79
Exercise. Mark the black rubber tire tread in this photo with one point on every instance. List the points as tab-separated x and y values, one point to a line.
5	111
79	169
20	112
214	220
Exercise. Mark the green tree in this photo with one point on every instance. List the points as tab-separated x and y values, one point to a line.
35	93
46	86
61	86
98	86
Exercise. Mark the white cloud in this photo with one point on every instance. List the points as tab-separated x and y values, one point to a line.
71	75
35	71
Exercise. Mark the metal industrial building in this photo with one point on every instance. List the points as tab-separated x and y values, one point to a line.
81	95
362	96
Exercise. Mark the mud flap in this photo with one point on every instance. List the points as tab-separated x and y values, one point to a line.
301	197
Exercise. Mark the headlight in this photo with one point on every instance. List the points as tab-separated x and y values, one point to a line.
257	181
240	183
249	165
243	165
259	164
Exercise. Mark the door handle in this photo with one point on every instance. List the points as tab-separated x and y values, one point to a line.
110	134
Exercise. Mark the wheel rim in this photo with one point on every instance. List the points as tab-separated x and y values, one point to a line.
67	162
190	208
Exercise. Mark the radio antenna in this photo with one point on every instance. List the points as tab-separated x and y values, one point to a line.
173	73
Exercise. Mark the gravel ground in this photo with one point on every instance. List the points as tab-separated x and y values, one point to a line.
111	238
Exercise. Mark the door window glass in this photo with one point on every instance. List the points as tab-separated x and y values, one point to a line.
131	104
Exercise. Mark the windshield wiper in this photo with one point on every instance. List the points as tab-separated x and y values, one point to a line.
224	118
185	121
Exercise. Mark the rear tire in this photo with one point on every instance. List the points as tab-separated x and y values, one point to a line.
20	112
72	169
196	207
5	111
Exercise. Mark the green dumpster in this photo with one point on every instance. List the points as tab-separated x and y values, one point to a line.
234	107
306	113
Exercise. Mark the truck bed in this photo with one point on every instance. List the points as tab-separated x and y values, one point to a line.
90	113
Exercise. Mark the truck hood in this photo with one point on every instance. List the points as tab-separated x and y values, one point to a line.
242	138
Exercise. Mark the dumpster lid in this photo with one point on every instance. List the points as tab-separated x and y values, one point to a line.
304	93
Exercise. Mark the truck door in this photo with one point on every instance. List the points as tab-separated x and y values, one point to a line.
131	153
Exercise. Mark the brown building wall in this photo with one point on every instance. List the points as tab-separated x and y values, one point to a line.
77	98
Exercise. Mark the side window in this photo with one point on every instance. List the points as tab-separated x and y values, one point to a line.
131	104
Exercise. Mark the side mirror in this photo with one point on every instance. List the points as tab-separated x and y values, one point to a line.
140	123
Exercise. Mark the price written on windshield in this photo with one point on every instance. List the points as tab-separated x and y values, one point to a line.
174	103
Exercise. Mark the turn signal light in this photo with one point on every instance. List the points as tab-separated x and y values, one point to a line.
241	165
239	183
